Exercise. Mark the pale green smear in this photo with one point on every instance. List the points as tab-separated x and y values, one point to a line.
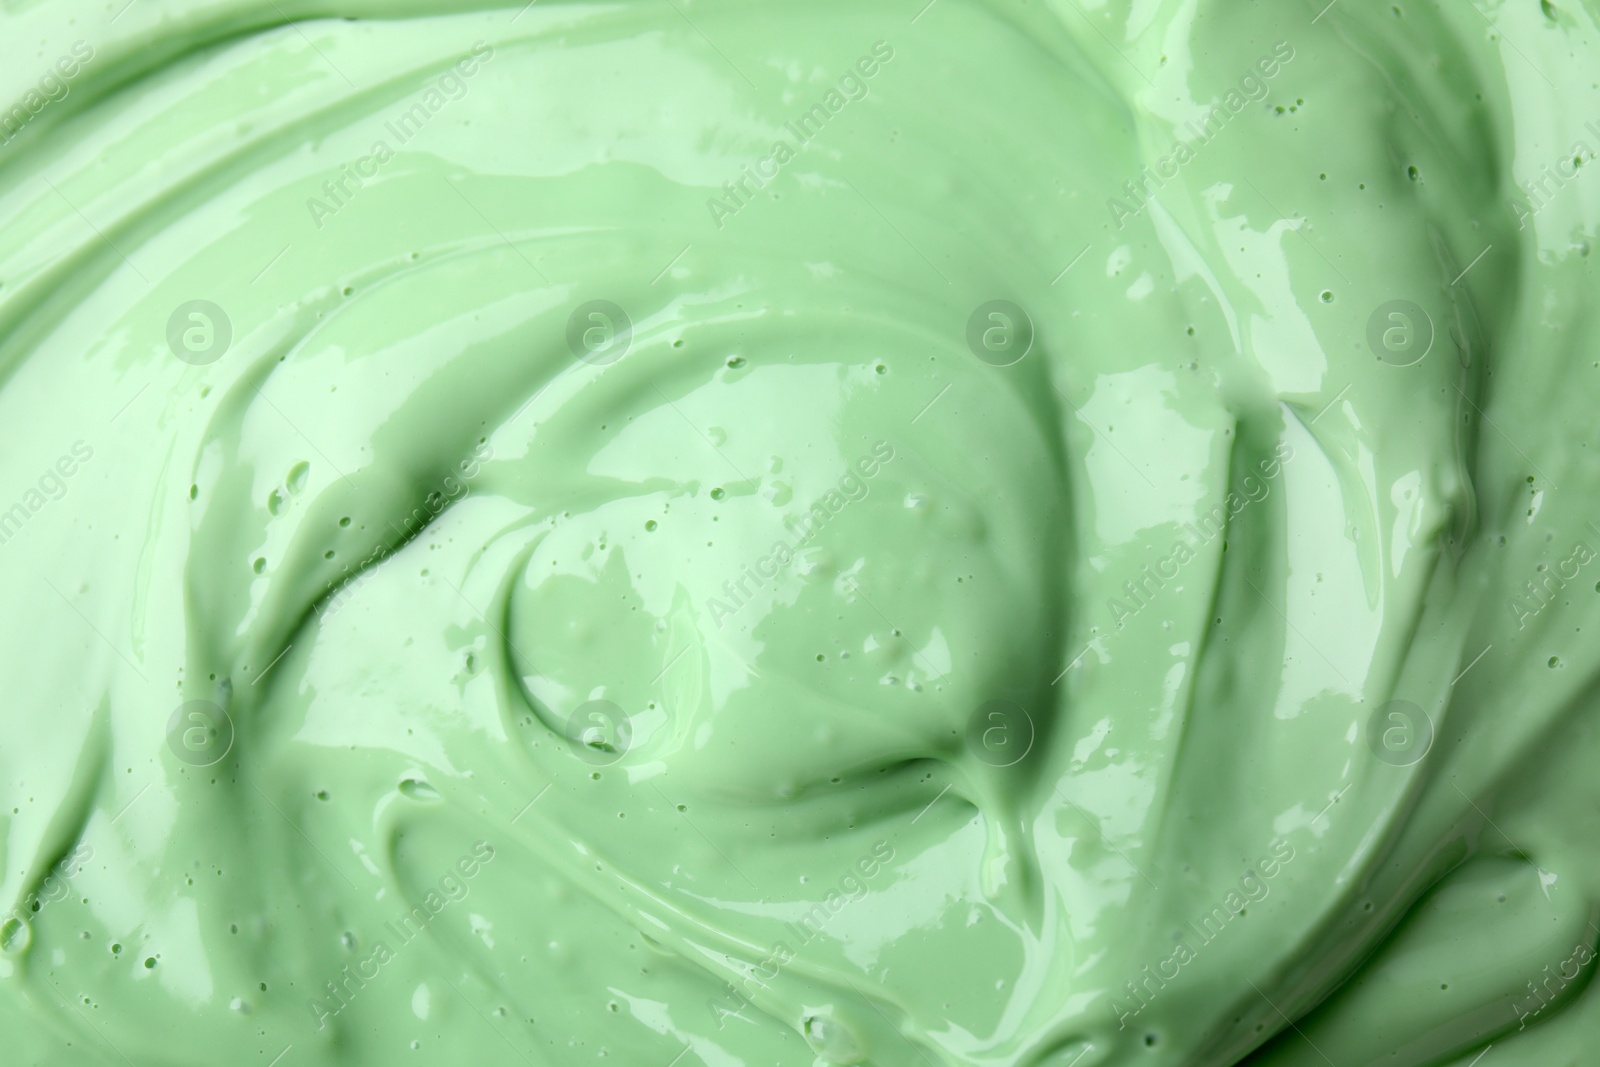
1005	534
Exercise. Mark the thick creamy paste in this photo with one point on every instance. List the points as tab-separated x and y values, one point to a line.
1038	534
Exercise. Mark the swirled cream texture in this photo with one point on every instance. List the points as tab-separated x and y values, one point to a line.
1035	534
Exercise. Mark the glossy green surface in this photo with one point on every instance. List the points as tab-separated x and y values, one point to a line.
791	534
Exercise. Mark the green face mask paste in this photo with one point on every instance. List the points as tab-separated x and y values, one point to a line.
998	535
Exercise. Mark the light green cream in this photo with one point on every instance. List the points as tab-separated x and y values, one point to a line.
830	664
